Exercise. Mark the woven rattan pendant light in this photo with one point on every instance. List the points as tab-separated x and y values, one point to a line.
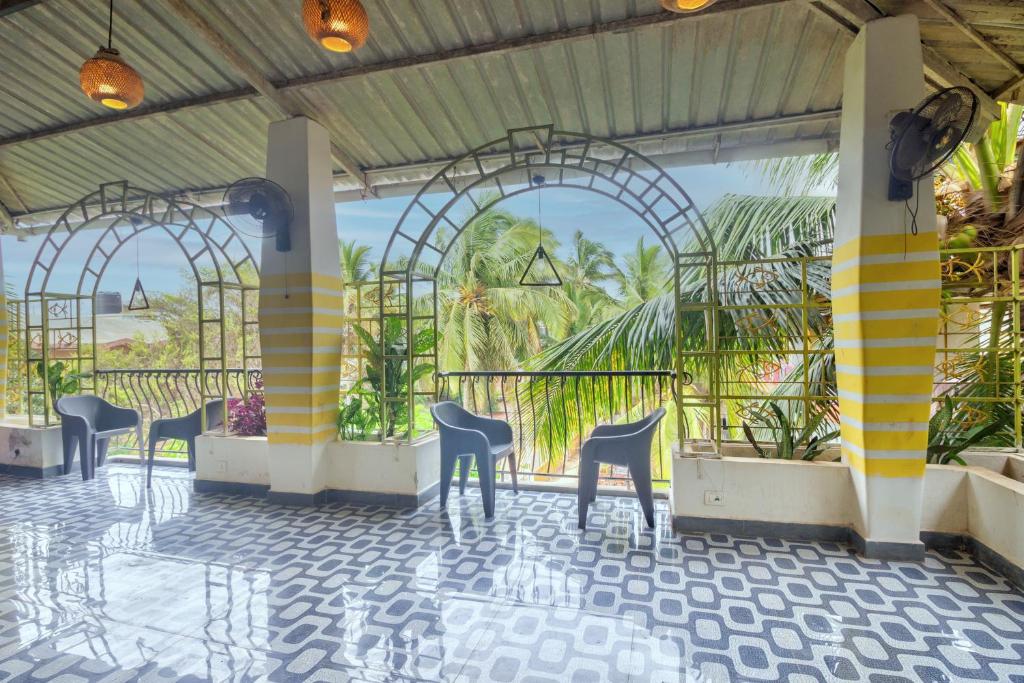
686	5
107	79
337	25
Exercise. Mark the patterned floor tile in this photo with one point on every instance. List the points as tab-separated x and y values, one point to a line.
105	581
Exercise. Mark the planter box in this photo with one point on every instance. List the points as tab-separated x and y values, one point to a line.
1005	461
972	506
397	475
232	464
743	449
30	451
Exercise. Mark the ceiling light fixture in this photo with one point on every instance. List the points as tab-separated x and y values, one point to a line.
107	79
337	25
684	6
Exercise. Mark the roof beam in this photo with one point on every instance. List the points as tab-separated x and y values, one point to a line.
416	173
286	104
416	61
852	14
980	40
11	6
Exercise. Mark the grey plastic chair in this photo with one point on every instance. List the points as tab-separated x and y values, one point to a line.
90	422
626	445
465	436
186	429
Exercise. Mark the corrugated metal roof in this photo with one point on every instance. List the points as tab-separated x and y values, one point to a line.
405	103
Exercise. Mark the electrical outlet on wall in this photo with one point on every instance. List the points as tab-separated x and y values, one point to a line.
714	498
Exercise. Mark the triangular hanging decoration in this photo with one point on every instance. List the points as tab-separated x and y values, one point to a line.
138	302
541	271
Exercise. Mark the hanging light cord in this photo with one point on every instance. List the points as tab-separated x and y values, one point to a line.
110	27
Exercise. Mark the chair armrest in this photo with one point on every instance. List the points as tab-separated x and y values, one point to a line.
496	431
615	430
463	440
116	417
75	423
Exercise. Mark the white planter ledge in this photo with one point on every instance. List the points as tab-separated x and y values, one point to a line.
365	472
973	507
26	451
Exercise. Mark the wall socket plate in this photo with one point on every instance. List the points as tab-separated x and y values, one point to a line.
714	498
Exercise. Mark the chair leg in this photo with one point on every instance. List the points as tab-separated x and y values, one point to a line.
485	469
583	494
513	468
153	439
140	442
465	465
101	451
640	472
447	473
191	444
86	453
70	445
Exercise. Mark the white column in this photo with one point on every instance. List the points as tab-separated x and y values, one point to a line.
301	314
885	288
4	337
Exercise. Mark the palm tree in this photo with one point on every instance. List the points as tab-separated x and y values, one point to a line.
355	262
589	266
643	336
486	320
647	273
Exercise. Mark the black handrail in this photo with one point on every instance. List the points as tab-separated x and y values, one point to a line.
161	393
553	411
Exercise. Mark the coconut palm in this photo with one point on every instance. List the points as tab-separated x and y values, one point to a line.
646	273
486	320
588	267
355	262
643	336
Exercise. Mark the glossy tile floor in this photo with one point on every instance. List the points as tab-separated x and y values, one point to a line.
101	581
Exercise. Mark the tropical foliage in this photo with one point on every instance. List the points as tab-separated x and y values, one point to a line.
807	442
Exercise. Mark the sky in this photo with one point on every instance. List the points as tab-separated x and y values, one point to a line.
160	264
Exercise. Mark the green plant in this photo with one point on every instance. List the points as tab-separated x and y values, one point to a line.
947	437
354	420
59	382
387	369
789	439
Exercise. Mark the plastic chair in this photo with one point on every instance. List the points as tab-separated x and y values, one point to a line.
90	422
186	429
465	436
626	445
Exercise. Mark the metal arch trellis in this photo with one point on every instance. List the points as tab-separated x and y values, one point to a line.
505	167
130	211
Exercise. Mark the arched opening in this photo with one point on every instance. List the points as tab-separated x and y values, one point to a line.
60	305
505	168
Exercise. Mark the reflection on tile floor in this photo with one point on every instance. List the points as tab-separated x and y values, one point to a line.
101	580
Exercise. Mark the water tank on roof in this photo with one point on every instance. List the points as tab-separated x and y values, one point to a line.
108	303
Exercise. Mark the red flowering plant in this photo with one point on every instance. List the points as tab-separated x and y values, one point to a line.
248	417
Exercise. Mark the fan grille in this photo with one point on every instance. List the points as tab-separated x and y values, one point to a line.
925	139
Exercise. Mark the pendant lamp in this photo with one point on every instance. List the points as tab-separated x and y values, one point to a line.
540	271
108	79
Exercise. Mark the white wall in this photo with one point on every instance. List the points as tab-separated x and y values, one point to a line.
24	446
348	465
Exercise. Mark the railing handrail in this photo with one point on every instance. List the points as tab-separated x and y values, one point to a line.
169	371
558	373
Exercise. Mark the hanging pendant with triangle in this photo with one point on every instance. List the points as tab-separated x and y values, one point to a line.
139	301
541	271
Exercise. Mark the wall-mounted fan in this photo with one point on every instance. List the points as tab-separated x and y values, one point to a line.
261	208
921	140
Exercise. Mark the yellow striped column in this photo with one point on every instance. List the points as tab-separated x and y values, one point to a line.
885	296
301	314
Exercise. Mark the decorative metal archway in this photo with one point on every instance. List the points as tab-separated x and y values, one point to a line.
218	257
505	167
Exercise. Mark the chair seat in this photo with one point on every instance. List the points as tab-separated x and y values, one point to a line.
501	450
